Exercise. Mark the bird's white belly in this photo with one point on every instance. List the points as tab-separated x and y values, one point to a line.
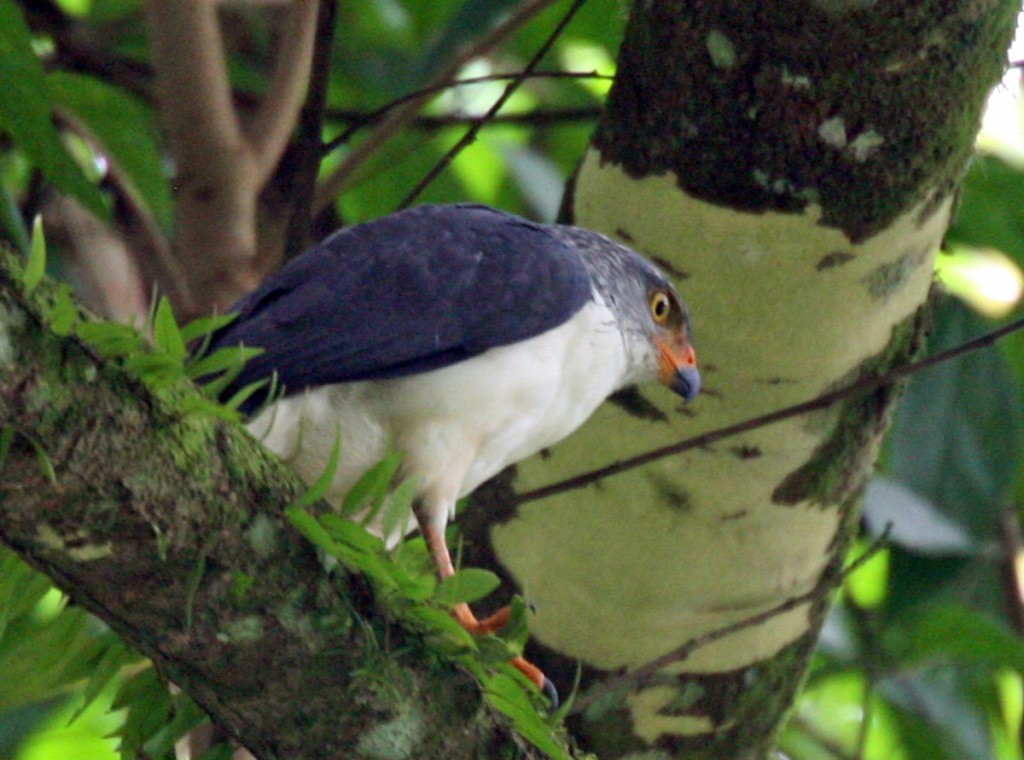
458	425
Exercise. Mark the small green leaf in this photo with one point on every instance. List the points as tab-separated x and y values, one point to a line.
204	326
308	526
110	339
44	462
35	267
187	715
319	489
155	370
510	697
243	394
352	535
64	313
417	588
467	585
221	360
440	622
494	650
372	487
204	406
166	333
517	630
398	507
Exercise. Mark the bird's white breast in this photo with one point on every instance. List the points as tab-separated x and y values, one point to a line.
461	424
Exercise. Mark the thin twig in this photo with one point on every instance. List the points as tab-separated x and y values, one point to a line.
362	120
542	117
824	587
307	150
862	386
343	176
471	133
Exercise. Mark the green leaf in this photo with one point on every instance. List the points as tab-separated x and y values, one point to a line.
517	630
110	339
221	360
313	531
26	114
149	704
398	506
373	486
110	664
352	535
955	633
509	696
187	715
157	370
64	314
319	489
194	579
943	444
44	462
440	622
467	585
243	394
12	226
204	406
989	214
124	128
203	326
166	333
35	267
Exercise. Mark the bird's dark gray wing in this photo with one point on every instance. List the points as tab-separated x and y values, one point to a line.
410	292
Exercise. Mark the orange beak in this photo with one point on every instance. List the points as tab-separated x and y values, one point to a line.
678	364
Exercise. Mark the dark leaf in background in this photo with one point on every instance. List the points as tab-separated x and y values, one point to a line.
124	127
955	440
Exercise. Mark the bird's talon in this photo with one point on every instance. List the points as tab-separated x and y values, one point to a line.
551	692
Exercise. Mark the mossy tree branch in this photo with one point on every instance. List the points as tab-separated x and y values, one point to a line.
145	501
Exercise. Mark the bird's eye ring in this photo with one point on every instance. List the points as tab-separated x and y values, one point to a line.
661	307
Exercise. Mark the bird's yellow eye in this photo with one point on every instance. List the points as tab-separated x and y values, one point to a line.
661	307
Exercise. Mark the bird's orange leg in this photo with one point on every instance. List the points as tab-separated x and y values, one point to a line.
438	548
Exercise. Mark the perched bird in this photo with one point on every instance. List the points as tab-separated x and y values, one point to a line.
464	337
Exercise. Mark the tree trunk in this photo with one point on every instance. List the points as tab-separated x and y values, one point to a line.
793	165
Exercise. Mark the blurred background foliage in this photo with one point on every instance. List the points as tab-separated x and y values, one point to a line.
922	657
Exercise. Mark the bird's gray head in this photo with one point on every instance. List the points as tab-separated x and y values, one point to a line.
649	311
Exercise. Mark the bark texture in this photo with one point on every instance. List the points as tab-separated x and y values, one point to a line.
793	166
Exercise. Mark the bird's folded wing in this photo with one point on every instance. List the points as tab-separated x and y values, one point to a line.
407	293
